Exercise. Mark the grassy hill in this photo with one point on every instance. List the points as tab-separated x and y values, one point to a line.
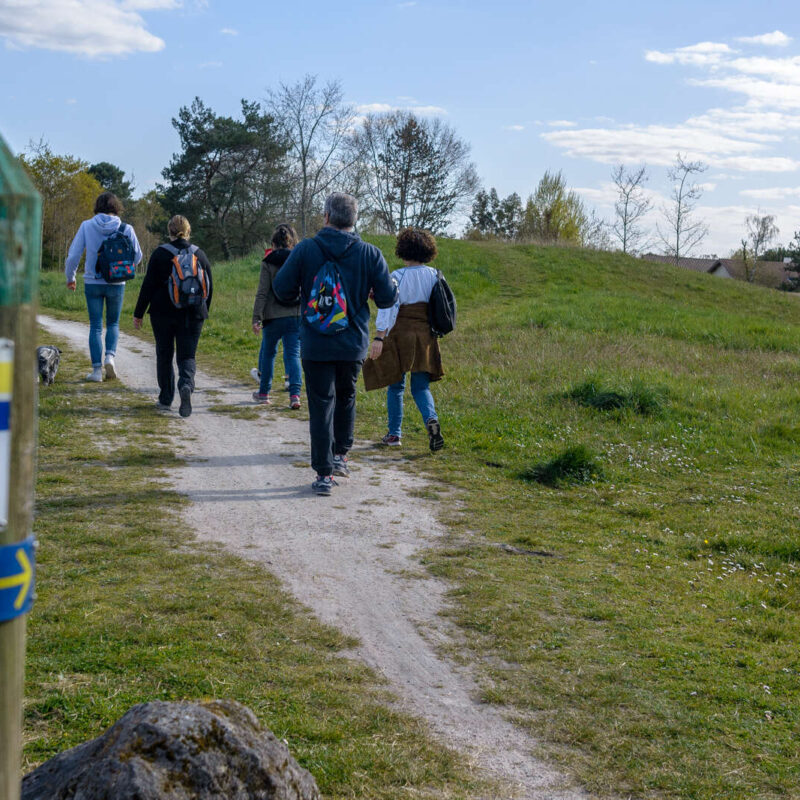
643	624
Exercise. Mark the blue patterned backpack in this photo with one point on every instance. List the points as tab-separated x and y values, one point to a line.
326	309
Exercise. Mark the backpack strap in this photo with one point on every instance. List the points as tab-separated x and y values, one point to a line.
121	228
170	248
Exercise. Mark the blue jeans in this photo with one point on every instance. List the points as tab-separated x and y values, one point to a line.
420	391
96	294
287	330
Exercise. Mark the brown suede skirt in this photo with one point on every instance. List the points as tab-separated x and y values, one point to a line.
409	347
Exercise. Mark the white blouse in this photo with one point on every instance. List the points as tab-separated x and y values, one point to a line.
414	285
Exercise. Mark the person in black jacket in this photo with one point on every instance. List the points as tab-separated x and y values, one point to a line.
277	322
331	363
176	330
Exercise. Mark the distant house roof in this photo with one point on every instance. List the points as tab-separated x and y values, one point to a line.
768	273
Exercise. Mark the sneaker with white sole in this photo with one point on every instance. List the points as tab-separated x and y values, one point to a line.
255	374
294	401
435	438
323	485
340	466
185	408
95	375
390	440
111	368
261	399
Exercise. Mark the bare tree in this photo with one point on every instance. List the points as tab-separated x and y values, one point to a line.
761	230
631	206
316	123
417	171
682	232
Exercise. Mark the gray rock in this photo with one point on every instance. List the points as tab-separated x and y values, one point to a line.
176	751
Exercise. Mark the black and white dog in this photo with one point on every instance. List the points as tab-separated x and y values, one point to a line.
49	358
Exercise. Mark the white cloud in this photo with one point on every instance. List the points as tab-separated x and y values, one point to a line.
229	31
775	193
410	4
759	93
514	128
774	39
385	108
70	101
562	123
701	54
92	28
747	138
151	5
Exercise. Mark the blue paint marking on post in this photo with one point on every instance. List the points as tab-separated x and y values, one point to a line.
17	578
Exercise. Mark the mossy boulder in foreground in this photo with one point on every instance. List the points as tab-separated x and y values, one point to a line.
176	751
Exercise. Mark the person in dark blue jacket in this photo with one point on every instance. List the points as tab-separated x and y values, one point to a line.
332	362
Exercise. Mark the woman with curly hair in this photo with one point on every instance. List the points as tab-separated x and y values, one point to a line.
404	342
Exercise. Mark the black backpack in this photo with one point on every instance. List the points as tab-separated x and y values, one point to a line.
441	307
188	283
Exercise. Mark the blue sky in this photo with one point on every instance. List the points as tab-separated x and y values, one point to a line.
575	86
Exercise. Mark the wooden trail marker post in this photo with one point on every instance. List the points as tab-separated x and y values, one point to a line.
20	250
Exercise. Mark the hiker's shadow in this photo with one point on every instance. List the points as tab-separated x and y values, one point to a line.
249	460
261	494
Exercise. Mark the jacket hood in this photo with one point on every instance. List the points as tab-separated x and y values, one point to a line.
106	223
337	241
277	257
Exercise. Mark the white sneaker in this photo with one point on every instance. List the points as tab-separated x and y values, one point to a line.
111	370
95	375
255	375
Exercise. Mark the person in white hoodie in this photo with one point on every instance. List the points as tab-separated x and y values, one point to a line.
90	236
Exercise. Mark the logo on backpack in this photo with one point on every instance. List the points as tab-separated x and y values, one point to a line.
441	307
188	282
326	309
116	257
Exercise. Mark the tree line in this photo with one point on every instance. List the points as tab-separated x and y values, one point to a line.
234	177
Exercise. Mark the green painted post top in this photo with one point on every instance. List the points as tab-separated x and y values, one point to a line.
20	231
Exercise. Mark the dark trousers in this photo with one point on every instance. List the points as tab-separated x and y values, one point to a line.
175	336
331	393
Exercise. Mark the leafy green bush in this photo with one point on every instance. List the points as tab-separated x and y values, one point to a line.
574	465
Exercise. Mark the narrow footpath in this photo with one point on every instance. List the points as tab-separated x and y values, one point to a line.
356	566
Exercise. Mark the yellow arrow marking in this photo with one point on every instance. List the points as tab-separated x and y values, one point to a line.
22	579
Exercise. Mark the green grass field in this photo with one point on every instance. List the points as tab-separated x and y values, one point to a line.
130	609
642	624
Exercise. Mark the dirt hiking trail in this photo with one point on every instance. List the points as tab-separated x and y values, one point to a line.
352	558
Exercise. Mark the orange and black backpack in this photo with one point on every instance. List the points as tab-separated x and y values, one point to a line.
188	281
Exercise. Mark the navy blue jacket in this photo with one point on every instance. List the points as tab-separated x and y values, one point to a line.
363	270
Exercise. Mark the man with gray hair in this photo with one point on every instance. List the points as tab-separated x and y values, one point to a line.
332	361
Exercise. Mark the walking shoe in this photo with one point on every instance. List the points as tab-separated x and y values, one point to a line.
294	401
185	409
285	383
163	406
391	440
111	369
435	438
323	485
95	375
262	399
255	374
340	467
